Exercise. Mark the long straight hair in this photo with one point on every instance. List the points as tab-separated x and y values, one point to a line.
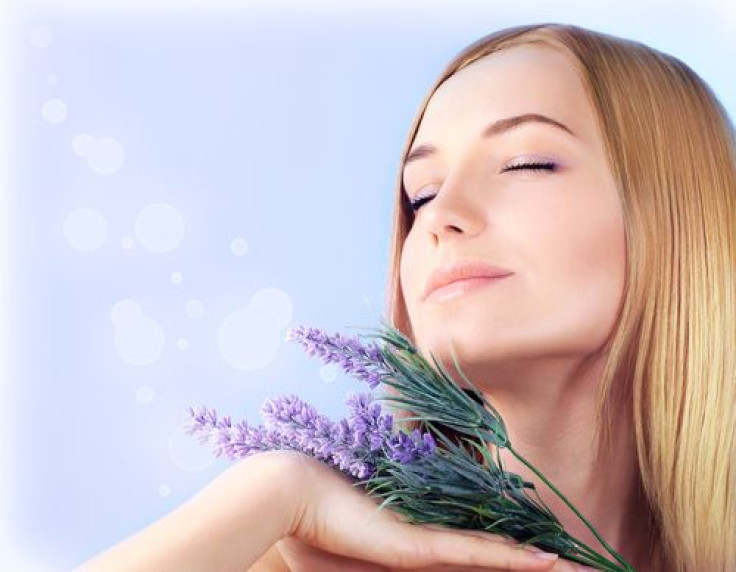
671	148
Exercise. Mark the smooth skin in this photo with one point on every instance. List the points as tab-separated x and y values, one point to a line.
313	519
535	342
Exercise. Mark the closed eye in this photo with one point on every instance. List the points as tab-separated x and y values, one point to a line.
417	203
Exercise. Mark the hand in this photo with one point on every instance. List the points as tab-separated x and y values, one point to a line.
338	528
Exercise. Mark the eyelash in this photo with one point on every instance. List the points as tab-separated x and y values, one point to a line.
417	203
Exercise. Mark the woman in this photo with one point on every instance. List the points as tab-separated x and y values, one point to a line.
595	178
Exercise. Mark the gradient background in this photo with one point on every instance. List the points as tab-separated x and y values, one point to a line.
183	182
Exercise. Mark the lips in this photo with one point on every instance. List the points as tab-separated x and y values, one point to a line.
463	269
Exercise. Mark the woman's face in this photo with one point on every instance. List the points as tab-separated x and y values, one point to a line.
560	232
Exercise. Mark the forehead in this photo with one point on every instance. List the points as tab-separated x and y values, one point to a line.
514	81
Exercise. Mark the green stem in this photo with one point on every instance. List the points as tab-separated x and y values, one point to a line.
531	467
598	563
591	556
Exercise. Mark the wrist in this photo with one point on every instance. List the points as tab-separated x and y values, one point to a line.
276	477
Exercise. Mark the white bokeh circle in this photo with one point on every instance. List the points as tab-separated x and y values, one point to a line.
54	111
249	339
105	156
125	312
274	302
82	144
139	341
159	228
85	229
145	394
239	247
194	308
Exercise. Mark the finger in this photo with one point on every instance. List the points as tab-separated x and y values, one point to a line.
560	565
471	548
474	533
411	547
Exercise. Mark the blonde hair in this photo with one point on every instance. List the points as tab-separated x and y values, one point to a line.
670	145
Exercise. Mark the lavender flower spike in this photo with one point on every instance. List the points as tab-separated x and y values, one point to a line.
234	442
301	424
372	431
350	353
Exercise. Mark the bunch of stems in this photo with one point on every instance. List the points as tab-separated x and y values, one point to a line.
451	488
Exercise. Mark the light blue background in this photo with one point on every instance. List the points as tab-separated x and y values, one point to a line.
276	127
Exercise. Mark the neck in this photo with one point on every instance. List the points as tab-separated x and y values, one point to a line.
552	427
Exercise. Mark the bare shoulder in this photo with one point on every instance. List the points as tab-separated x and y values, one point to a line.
271	561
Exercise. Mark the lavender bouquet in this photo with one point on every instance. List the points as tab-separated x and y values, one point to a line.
423	474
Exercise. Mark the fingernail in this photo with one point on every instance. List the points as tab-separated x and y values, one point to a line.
542	555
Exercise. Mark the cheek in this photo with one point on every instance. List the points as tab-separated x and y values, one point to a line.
581	265
592	243
408	271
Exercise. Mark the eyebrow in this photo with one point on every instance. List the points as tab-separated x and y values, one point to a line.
492	130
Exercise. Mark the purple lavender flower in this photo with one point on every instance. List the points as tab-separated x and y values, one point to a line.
371	428
301	424
235	442
354	445
355	358
407	448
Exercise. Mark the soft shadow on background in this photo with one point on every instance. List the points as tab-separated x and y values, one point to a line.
187	183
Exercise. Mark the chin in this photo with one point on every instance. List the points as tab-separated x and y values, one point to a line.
471	357
478	357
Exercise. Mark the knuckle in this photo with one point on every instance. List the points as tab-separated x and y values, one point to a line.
415	554
418	550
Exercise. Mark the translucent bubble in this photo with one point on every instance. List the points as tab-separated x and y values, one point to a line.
239	247
248	339
126	242
85	229
274	302
182	344
40	37
52	79
176	278
159	228
82	144
145	394
105	156
140	342
125	312
187	453
194	308
54	111
328	373
164	491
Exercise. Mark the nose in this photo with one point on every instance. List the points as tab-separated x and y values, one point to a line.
459	206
